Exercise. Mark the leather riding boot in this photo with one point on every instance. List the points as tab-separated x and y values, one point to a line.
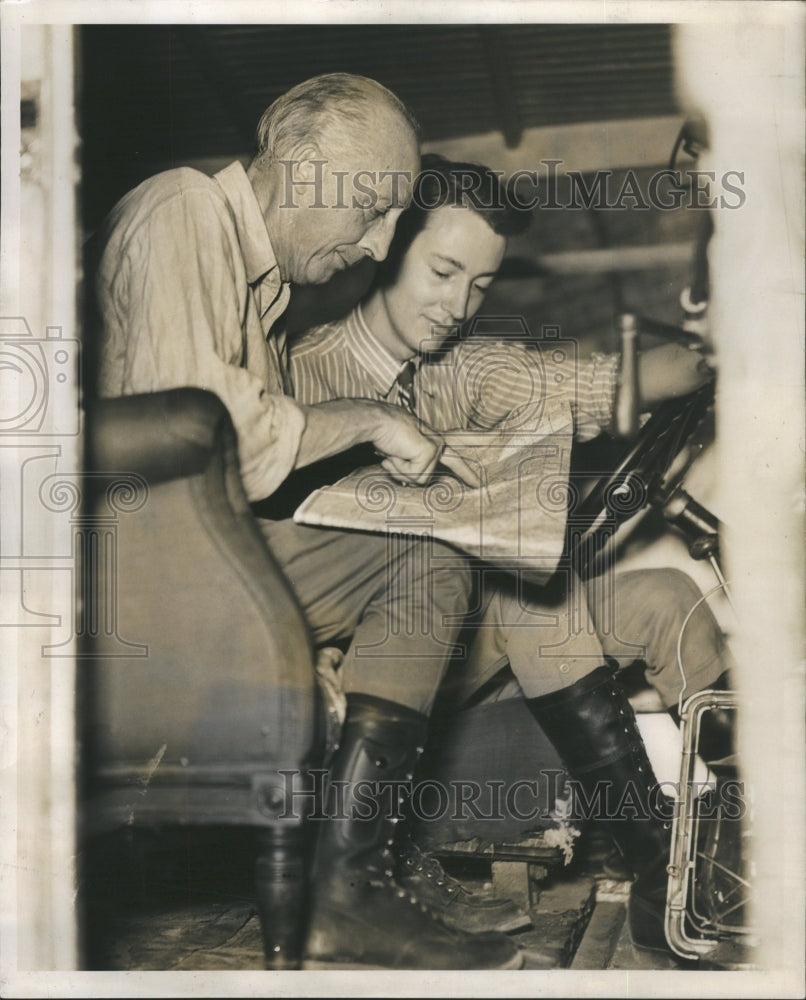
359	917
593	728
717	736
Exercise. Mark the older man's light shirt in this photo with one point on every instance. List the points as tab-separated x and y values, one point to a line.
188	290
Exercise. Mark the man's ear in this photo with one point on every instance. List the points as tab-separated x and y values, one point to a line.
305	156
307	168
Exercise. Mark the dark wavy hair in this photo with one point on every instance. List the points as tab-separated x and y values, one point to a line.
442	182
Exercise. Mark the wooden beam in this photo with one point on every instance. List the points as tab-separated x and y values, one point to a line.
498	62
597	261
607	145
601	937
614	145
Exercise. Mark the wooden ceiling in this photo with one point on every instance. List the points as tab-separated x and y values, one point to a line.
153	96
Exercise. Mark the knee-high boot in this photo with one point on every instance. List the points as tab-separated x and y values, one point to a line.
359	917
593	727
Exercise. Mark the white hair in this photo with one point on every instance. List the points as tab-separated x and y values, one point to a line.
310	108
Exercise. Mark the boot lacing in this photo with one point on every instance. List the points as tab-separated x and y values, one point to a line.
415	860
386	856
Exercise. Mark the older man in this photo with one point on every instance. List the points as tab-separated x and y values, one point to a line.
194	273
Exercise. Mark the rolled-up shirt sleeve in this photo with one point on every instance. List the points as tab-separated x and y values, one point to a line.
173	300
497	385
595	395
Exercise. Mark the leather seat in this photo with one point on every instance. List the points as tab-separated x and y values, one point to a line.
197	687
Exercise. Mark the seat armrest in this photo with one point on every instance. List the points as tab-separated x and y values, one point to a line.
194	583
160	436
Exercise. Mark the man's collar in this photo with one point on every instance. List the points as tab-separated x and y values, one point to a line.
381	366
253	236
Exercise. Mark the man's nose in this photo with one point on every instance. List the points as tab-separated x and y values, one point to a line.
377	239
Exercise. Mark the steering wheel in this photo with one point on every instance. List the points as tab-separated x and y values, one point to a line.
639	481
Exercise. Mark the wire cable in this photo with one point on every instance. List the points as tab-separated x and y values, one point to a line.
722	585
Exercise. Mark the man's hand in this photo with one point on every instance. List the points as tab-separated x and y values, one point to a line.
413	452
671	370
410	453
409	456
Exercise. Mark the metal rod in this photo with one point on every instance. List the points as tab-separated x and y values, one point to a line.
720	577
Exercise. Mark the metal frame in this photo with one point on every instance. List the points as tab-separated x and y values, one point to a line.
689	933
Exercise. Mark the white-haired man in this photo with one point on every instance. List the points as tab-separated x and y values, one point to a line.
194	273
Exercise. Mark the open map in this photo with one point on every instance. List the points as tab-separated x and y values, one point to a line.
516	520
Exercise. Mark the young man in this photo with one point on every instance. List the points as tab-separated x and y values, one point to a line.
446	252
193	274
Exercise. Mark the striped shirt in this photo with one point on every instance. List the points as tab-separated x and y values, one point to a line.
482	383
